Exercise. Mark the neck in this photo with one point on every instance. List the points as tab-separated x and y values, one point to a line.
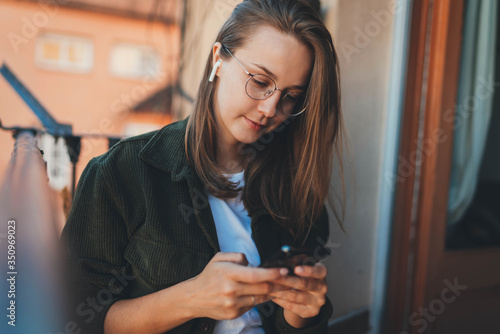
229	159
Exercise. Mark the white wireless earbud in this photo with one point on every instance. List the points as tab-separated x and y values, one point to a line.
216	66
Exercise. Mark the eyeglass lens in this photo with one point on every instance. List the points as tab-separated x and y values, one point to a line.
260	87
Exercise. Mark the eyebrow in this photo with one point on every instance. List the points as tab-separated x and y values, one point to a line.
272	75
265	69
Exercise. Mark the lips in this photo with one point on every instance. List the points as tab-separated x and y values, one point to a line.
254	125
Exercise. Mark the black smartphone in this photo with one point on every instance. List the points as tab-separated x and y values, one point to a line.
289	257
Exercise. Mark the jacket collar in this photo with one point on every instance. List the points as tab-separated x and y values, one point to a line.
165	151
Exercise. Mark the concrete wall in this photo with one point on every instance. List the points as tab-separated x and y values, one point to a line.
363	34
201	27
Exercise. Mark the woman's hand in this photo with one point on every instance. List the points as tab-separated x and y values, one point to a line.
305	296
227	288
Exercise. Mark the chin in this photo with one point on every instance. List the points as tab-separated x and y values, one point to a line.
247	139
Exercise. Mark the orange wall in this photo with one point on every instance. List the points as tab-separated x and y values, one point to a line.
92	102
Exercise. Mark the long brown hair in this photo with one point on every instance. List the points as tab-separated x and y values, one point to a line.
287	171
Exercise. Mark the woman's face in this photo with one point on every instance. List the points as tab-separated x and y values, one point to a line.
239	118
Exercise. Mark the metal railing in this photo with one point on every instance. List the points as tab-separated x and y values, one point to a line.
49	123
32	288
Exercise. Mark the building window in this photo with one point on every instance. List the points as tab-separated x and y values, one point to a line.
55	154
134	61
64	53
134	129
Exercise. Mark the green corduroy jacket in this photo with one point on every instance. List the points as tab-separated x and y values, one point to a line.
141	222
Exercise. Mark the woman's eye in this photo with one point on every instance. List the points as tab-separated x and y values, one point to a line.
291	98
259	83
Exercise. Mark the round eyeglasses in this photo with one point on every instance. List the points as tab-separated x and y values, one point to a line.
261	86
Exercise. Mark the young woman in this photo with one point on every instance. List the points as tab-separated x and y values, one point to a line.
167	229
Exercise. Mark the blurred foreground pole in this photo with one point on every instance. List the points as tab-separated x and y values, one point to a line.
31	288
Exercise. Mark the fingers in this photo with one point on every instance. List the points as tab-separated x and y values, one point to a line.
299	297
302	310
312	285
239	258
263	288
316	271
242	304
253	300
256	275
303	303
307	290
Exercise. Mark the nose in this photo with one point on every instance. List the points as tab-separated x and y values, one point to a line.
268	107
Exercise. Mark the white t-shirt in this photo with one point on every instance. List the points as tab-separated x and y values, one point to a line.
235	235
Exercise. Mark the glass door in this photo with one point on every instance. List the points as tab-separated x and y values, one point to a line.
474	197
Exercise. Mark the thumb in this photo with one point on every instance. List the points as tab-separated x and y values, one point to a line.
239	258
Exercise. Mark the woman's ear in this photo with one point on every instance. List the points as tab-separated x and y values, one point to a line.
217	60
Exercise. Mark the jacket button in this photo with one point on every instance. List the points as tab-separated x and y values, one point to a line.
205	325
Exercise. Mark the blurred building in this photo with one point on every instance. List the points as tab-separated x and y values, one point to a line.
104	67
